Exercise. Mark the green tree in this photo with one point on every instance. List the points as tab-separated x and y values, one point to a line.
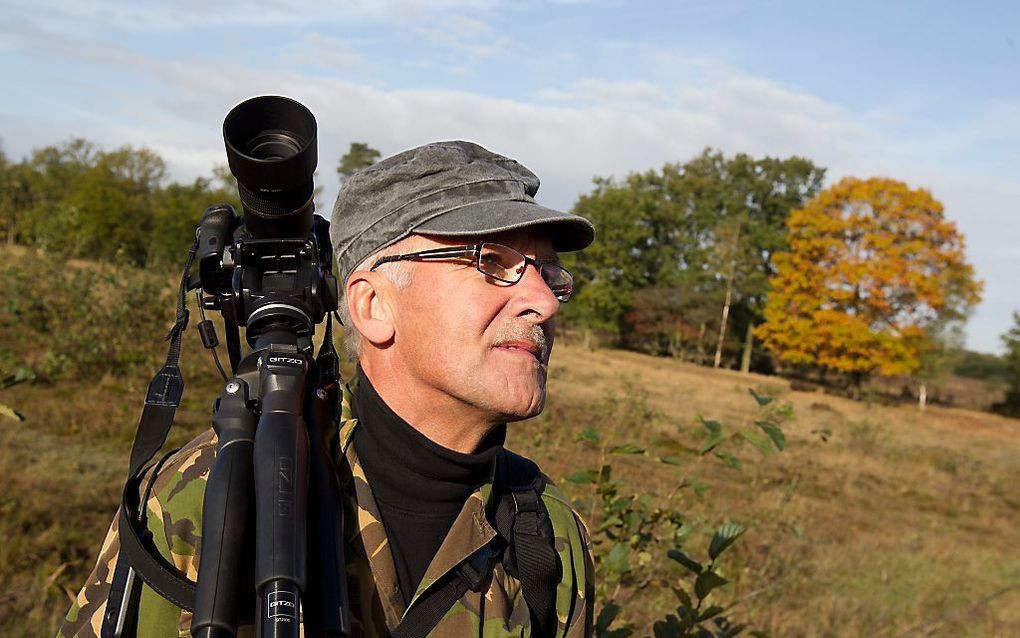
177	211
360	155
939	353
707	229
1011	340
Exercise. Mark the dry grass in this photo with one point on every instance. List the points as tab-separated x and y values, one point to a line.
900	524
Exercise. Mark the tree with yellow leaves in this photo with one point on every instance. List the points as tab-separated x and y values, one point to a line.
872	267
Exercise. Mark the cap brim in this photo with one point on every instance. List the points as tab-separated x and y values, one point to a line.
567	231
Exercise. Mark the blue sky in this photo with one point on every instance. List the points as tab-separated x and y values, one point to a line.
925	92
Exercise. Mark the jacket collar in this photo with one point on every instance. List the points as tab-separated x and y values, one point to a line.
470	531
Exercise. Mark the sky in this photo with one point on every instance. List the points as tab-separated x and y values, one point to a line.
924	92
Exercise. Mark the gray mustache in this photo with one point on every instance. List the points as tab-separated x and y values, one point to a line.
526	332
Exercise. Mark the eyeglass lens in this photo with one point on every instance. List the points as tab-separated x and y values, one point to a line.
508	264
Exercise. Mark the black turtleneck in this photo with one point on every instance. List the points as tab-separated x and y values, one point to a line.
419	485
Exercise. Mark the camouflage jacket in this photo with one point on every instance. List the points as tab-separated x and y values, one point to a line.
175	519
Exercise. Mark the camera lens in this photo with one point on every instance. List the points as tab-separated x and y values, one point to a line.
273	146
271	150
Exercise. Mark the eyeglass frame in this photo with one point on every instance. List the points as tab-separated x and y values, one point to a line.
475	250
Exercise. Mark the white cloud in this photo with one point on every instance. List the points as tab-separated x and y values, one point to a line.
324	52
151	15
566	134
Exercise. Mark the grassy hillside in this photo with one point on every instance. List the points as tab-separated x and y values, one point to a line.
900	523
875	521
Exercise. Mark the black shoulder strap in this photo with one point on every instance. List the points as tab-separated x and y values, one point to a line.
138	561
524	544
521	518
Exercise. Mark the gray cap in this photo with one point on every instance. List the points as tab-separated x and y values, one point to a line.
443	188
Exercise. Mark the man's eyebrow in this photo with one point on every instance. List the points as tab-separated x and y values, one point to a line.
551	258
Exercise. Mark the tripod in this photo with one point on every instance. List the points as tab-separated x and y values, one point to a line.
271	273
282	458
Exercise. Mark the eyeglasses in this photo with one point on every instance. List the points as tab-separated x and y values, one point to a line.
502	263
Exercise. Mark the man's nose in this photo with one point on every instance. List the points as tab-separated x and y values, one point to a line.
534	294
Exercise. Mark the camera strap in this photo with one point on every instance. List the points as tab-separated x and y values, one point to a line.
138	560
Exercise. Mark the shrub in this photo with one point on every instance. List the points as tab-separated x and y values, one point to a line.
59	320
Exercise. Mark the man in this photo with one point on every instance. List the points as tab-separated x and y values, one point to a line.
451	288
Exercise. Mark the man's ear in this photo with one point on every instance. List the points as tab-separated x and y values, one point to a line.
369	301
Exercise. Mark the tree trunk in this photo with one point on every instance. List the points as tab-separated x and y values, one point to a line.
722	322
745	358
730	276
922	396
701	344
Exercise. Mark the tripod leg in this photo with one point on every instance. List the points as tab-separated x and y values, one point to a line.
228	496
281	482
325	611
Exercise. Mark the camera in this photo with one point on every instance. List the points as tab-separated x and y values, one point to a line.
269	268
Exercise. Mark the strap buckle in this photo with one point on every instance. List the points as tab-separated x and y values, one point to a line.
476	568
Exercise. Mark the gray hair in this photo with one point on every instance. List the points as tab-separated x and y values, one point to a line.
398	272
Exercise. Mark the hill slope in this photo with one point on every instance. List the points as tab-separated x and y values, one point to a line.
898	524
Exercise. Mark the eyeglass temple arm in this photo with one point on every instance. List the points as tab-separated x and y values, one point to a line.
435	253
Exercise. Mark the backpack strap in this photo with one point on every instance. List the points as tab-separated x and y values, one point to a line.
524	544
522	519
471	574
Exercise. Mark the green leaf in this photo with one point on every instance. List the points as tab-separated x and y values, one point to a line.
669	627
620	504
711	612
671	460
728	459
611	522
606	617
685	560
699	488
618	560
760	398
583	476
683	597
713	427
715	436
784	411
706	582
627	448
760	443
605	473
774	432
682	534
723	538
590	435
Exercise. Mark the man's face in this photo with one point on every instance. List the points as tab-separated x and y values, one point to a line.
479	342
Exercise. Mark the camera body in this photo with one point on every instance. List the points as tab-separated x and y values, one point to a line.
270	268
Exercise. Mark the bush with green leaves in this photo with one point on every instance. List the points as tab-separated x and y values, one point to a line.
630	530
60	319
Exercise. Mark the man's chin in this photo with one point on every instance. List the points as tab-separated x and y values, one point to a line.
525	409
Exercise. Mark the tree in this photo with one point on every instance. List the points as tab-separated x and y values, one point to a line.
1011	340
360	155
940	351
872	264
703	230
177	211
